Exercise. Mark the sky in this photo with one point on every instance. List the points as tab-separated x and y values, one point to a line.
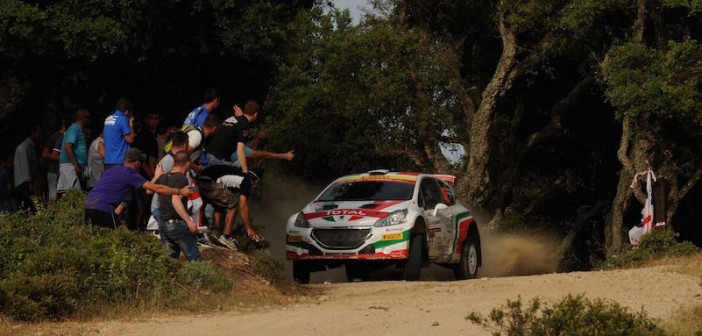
353	7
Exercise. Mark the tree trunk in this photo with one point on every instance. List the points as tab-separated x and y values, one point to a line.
638	158
477	176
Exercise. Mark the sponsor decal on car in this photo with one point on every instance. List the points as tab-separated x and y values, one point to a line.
355	214
294	239
392	236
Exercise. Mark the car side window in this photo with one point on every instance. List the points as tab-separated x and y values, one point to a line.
430	193
447	193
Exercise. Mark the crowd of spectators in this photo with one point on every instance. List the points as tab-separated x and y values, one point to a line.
133	171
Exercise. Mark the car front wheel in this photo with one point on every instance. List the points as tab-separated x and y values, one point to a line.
414	263
467	267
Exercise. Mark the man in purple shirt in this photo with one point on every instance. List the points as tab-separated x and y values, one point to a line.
197	116
115	184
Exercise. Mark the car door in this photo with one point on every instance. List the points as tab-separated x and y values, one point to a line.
438	221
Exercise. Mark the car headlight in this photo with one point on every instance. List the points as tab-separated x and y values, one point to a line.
301	221
394	218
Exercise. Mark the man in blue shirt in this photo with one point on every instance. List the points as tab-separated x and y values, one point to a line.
118	133
74	154
197	116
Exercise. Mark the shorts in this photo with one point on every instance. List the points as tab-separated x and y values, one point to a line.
68	179
217	194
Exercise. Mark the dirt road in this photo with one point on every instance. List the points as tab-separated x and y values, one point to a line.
421	308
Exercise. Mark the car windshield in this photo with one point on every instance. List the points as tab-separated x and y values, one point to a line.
368	190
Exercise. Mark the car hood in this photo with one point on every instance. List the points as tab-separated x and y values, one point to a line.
350	213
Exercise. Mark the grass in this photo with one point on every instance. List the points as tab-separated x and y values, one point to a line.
54	268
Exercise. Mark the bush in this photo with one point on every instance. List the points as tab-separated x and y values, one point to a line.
573	315
653	245
53	266
204	275
265	265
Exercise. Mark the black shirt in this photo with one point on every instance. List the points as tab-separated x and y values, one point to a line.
173	180
231	177
225	139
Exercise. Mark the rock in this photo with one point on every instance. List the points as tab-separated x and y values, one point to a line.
435	324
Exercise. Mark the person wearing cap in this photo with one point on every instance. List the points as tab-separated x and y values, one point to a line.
115	184
219	185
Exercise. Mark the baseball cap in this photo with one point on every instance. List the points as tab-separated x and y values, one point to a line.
133	155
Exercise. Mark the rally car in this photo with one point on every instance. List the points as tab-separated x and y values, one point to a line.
375	219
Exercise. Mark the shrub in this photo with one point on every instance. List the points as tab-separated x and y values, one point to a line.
204	275
653	245
573	315
53	266
265	265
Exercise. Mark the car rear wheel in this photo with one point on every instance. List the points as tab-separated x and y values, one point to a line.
301	272
414	263
467	267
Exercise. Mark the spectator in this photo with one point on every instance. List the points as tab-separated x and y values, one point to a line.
146	141
165	131
177	229
51	154
96	159
196	141
198	115
24	164
179	143
74	155
231	137
115	184
118	133
219	185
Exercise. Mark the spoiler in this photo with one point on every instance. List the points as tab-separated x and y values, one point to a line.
446	178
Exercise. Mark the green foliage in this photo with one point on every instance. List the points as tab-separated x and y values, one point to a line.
653	245
645	83
265	265
352	98
573	315
53	266
205	275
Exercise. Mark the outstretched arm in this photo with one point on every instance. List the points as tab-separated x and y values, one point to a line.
244	206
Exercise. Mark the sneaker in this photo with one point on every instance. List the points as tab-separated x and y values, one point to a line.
156	234
204	241
229	242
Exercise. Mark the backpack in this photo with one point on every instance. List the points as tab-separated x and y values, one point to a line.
186	129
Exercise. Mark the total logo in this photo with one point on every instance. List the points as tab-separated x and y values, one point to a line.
346	212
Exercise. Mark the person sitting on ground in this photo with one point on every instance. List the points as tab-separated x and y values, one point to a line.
219	185
177	229
115	184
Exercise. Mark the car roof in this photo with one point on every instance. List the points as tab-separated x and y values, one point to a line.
384	175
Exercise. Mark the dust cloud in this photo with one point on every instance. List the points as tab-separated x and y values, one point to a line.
503	254
511	254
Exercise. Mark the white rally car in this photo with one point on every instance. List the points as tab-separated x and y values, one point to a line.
371	220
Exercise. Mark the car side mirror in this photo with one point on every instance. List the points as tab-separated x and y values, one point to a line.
440	206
